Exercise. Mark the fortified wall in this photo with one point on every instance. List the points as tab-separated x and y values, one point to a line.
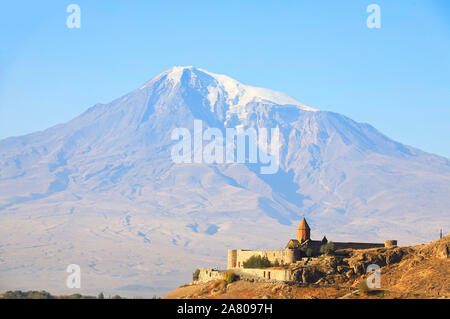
265	275
351	245
236	258
296	248
293	254
206	274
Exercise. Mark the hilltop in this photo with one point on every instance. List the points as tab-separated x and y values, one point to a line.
421	271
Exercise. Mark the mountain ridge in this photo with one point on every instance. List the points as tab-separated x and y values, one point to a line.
106	177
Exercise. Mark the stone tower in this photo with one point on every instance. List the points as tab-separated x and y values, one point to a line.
303	231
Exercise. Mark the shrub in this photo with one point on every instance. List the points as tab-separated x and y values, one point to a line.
257	262
196	274
218	284
307	251
229	277
39	295
18	294
363	286
327	248
215	284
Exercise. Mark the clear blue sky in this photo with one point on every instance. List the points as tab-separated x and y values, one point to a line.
396	78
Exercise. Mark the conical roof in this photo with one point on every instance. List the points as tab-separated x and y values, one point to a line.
303	225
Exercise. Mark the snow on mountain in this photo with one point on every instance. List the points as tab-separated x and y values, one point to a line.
222	85
101	190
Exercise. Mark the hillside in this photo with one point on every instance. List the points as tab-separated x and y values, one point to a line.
421	271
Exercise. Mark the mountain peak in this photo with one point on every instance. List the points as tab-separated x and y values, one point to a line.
111	169
176	72
238	94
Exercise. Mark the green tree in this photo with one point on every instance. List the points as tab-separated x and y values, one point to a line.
363	287
100	296
257	261
307	251
328	248
229	277
196	274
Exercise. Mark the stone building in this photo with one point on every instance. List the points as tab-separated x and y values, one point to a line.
293	253
295	249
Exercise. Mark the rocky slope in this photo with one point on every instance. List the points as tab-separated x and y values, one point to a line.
421	271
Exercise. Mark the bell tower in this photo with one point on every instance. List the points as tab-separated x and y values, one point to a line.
303	231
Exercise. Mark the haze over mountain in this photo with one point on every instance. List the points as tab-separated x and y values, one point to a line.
102	191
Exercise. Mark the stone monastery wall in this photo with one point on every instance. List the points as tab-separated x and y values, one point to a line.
236	258
206	275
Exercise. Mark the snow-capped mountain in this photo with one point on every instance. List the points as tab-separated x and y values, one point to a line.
102	191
